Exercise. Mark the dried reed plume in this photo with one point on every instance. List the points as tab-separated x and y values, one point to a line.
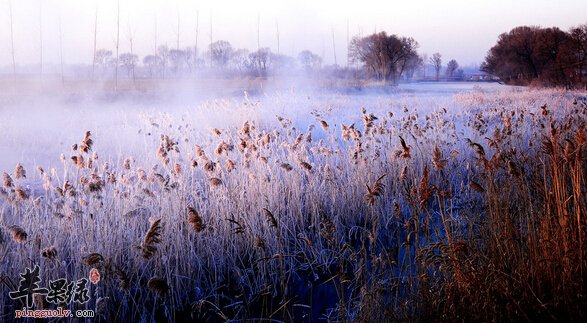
270	218
210	166
8	182
246	129
327	229
259	242
141	174
214	181
21	194
266	140
49	252
298	141
229	165
404	174
18	233
199	151
306	166
425	190
152	238
478	148
123	279
437	160
216	131
93	259
346	136
286	166
86	144
138	212
177	169
195	220
405	149
476	186
19	171
324	124
126	164
158	285
376	189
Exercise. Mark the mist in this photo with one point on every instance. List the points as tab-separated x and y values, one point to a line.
301	25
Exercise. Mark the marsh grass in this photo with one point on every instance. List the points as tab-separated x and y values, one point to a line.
471	213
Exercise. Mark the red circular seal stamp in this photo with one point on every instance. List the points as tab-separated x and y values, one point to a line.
94	276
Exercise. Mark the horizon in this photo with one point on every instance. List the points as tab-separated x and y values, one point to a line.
325	29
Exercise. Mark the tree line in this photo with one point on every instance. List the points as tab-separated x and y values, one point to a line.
220	58
382	57
392	58
530	55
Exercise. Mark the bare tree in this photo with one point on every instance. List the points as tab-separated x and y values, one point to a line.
424	65
240	60
260	61
281	63
220	53
384	57
128	61
451	68
578	44
163	53
309	61
153	63
177	58
102	58
436	61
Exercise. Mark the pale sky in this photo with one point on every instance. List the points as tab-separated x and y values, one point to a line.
459	29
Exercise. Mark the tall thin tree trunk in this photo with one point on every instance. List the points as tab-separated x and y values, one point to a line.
117	46
41	40
196	47
178	21
12	41
334	48
277	28
155	49
261	68
348	57
210	35
95	41
61	52
132	66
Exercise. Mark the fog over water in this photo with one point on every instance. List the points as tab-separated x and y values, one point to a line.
35	131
